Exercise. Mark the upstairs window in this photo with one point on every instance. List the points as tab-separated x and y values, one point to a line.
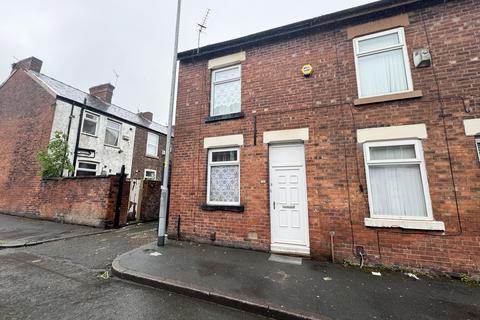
397	180
223	186
90	124
86	169
152	144
112	134
382	65
226	91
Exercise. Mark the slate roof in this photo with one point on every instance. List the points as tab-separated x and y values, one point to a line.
64	90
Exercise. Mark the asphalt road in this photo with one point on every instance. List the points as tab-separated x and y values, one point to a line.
63	280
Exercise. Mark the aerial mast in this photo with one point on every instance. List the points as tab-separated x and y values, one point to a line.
201	28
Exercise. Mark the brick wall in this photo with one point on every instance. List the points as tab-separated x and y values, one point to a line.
83	200
274	91
141	161
26	115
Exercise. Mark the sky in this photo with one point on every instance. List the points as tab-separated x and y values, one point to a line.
87	42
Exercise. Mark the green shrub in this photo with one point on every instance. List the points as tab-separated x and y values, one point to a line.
55	159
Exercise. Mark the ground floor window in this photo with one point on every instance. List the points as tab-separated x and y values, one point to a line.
223	183
150	174
85	169
397	180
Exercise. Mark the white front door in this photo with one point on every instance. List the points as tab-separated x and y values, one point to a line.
288	199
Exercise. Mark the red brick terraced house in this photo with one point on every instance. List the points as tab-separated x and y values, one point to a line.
353	134
102	136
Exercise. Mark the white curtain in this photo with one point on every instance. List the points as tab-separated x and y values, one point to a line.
226	98
397	190
224	183
392	152
380	42
382	73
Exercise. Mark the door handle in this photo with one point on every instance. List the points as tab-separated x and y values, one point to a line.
289	207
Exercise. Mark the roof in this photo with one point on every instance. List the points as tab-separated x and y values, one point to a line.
295	28
73	94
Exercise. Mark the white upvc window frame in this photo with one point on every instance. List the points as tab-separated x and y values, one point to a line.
211	164
97	121
420	160
403	45
149	170
119	133
477	145
86	169
214	83
151	134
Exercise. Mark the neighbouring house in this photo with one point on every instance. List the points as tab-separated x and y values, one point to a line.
353	135
102	137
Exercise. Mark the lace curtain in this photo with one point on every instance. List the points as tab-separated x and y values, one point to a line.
224	183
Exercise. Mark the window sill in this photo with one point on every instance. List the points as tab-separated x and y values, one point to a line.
405	224
152	157
388	97
110	146
231	116
89	135
209	207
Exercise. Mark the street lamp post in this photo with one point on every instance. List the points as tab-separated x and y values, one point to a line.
162	221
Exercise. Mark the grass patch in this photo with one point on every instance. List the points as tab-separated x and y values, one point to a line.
467	279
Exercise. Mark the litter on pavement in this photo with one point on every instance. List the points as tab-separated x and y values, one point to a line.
412	275
378	274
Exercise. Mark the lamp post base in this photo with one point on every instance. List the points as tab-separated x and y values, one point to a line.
161	241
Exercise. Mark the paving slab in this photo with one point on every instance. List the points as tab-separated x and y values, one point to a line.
251	281
20	231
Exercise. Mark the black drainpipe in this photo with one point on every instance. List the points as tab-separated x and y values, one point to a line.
118	205
68	132
79	130
70	121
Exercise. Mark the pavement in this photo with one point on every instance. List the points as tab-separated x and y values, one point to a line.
71	279
20	231
294	288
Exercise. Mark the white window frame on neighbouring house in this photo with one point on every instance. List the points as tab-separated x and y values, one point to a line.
152	141
418	160
151	171
119	130
211	164
90	170
93	118
401	45
477	144
218	83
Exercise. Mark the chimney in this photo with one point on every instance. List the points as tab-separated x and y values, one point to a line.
103	92
31	63
146	115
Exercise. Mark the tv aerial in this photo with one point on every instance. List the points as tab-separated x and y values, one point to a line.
115	73
201	28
